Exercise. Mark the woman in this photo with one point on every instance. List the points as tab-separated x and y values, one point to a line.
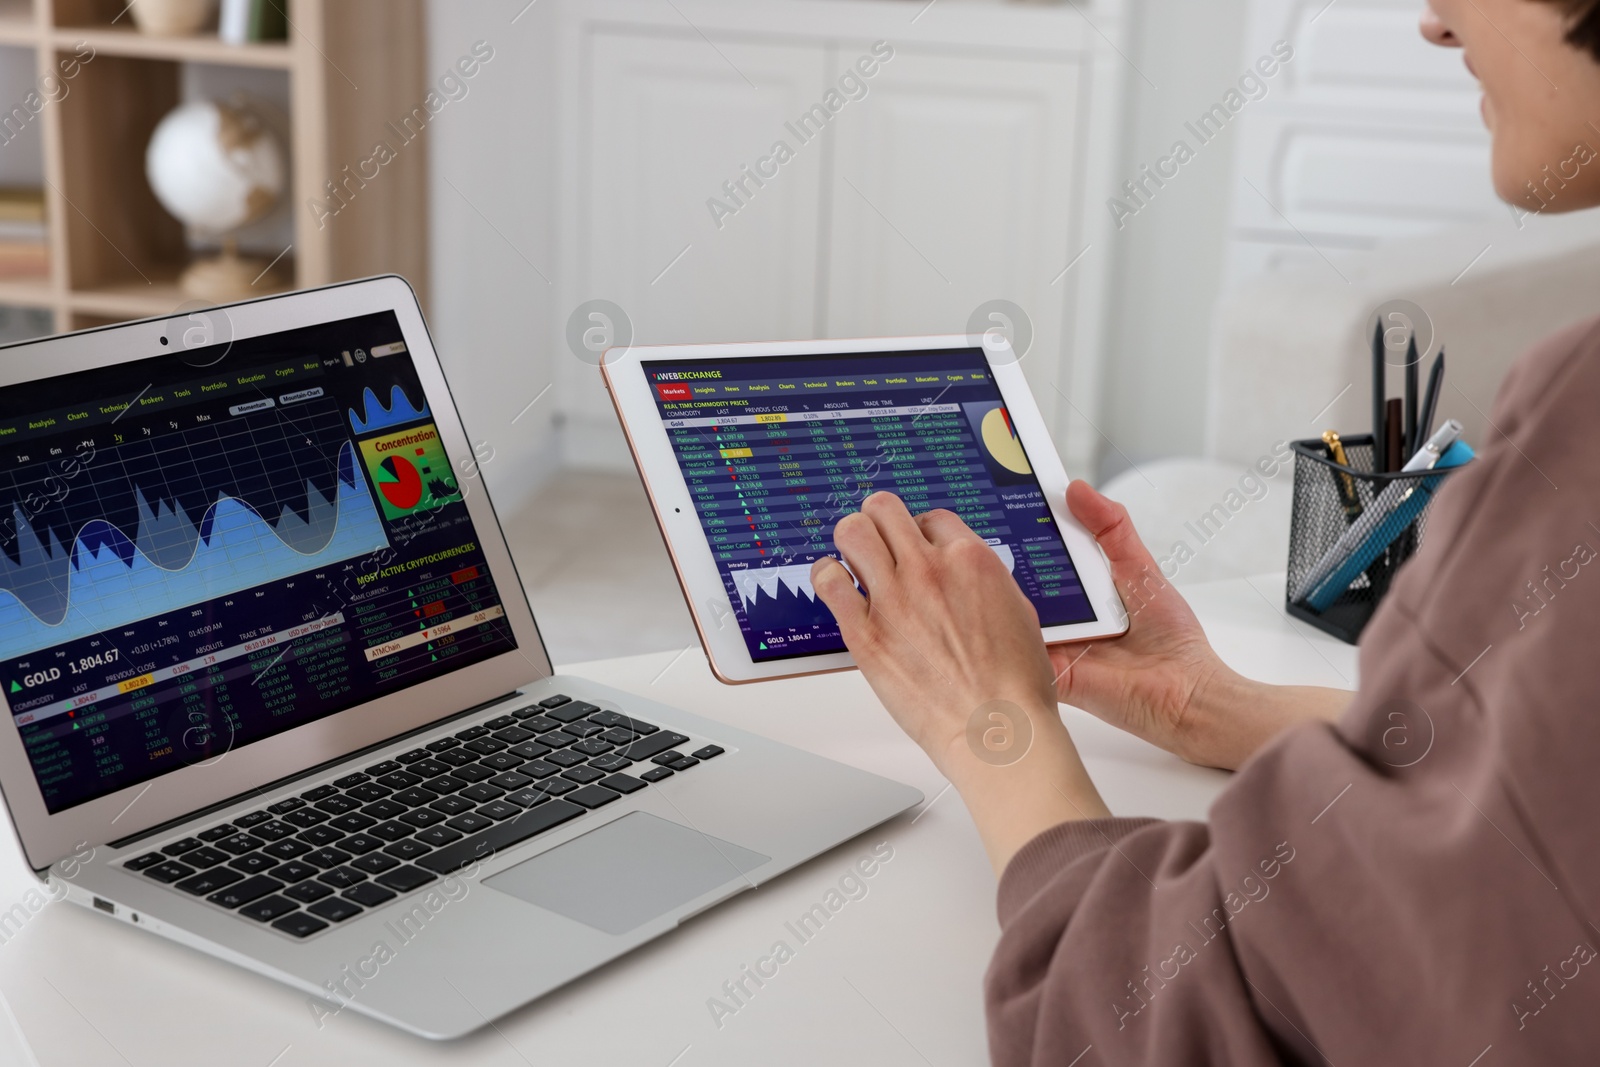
1343	904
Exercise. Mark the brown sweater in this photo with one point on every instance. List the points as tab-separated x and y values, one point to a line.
1412	886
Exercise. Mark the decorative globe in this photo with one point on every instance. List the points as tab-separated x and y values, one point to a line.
216	167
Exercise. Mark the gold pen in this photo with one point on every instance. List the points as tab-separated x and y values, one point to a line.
1346	484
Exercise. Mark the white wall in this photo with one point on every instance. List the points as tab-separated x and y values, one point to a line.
493	230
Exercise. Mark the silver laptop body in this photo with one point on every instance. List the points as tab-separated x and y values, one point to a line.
275	691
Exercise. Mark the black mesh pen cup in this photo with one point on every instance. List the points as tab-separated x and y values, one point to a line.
1343	514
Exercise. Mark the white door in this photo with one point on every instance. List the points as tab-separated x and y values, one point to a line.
953	185
669	120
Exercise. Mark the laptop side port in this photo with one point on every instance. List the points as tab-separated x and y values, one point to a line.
105	906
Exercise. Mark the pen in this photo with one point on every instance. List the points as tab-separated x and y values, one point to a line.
1393	445
1346	484
1378	398
1412	441
1430	399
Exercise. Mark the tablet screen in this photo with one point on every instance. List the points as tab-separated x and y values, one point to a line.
777	449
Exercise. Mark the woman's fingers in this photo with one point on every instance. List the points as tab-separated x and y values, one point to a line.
942	527
861	544
1108	521
838	591
896	526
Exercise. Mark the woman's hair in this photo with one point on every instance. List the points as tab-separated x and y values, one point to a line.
1583	24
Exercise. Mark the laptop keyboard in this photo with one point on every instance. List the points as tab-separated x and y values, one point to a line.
320	858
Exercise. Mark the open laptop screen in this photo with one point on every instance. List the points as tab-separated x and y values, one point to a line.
204	549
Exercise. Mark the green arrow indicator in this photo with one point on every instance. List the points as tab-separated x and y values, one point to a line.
15	688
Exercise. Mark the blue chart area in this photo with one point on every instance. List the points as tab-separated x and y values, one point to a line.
102	579
779	599
374	416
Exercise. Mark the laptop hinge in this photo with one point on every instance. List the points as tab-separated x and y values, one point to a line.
299	775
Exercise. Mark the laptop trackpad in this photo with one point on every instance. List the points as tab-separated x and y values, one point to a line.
627	872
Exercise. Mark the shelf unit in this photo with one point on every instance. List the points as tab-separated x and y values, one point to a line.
353	66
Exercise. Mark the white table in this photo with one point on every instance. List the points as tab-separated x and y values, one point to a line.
894	978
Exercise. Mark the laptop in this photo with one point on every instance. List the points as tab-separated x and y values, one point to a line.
275	691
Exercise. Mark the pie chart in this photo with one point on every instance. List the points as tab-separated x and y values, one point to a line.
1000	439
399	482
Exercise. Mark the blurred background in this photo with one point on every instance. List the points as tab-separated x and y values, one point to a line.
1186	214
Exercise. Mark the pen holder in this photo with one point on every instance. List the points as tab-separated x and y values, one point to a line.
1328	500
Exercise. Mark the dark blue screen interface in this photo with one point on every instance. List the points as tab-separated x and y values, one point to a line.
776	450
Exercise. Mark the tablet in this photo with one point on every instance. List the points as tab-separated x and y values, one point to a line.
752	452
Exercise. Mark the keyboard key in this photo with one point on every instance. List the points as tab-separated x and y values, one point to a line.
581	729
620	735
307	892
444	784
683	763
305	817
472	733
583	775
501	761
376	863
241	893
254	863
217	833
139	863
384	809
286	805
320	835
501	722
178	848
509	780
321	792
360	844
500	836
442	744
485	746
655	774
286	850
392	831
473	773
293	871
555	786
342	877
498	810
368	895
571	712
458	757
422	818
264	911
352	779
452	805
482	792
653	745
538	768
592	796
613	762
513	735
565	758
209	881
528	750
617	719
592	747
405	879
388	766
168	872
273	831
666	758
415	798
349	824
204	857
327	858
540	724
410	850
367	792
334	910
556	739
527	798
239	844
244	822
429	768
299	925
708	752
399	779
337	804
413	756
622	783
469	823
554	701
435	836
527	712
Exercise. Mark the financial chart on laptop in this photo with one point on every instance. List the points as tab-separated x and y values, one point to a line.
204	549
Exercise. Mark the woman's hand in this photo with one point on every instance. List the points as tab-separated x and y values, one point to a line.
946	638
1161	680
